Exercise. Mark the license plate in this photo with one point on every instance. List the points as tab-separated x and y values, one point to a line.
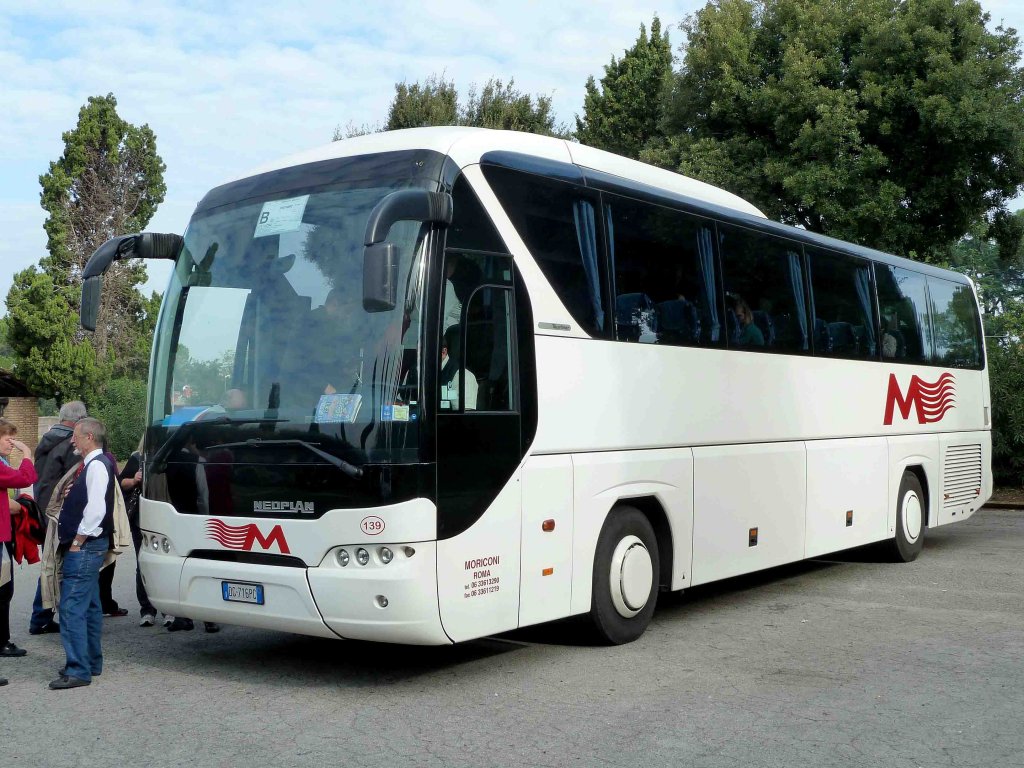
237	592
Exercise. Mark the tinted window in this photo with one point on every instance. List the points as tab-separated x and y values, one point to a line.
664	265
559	223
471	227
765	299
905	333
843	301
955	324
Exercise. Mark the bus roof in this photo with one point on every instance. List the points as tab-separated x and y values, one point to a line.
467	145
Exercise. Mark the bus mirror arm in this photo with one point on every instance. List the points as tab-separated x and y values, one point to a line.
147	245
380	258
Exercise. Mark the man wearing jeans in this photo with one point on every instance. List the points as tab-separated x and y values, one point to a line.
84	530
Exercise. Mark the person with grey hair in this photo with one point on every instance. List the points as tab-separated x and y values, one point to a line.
55	455
86	531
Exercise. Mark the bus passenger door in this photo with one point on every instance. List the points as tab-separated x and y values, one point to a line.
478	465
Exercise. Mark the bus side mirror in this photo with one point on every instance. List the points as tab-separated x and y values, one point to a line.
90	308
380	277
380	258
148	245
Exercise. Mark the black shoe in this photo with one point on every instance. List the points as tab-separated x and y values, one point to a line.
211	626
181	625
3	681
63	672
12	651
113	613
64	681
52	627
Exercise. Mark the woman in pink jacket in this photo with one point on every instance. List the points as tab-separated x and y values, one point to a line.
21	477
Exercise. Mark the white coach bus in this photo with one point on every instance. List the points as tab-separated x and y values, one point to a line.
430	385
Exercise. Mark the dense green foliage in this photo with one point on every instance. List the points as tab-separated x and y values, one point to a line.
888	123
997	267
625	113
436	102
43	332
122	408
7	357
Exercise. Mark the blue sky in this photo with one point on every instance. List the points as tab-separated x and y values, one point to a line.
229	85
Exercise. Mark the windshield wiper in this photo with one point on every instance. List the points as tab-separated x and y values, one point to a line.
349	469
159	461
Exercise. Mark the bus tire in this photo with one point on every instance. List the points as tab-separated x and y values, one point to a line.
911	511
625	580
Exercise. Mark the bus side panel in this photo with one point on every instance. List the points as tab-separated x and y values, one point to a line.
478	570
602	480
737	488
913	451
846	503
545	586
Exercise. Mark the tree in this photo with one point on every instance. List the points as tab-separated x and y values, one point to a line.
7	355
433	103
108	182
122	408
625	113
436	102
892	123
42	331
993	257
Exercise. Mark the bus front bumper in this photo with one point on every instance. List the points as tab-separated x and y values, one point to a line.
393	602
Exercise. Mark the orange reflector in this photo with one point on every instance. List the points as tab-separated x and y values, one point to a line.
547	526
752	538
547	571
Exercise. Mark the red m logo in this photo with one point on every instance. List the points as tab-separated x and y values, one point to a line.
244	536
930	401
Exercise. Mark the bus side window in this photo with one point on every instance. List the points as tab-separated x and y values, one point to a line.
663	262
560	223
905	326
956	324
763	278
843	301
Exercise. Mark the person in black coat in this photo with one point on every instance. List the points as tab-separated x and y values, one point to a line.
55	455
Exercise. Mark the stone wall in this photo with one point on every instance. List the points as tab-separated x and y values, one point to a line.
24	412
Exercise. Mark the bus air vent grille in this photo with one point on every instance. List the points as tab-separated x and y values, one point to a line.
961	475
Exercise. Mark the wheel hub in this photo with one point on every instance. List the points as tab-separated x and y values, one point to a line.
912	517
632	575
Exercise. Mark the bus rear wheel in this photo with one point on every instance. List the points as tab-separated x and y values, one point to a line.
911	512
625	581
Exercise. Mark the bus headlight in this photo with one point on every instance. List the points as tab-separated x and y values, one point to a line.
165	544
386	555
343	557
154	543
362	556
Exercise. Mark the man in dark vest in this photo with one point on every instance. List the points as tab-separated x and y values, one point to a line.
84	530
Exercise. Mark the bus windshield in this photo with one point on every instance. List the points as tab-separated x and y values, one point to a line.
263	347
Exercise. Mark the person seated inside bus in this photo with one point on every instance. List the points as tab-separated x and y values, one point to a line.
749	335
333	353
449	376
893	345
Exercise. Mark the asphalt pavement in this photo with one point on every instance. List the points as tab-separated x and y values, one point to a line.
839	662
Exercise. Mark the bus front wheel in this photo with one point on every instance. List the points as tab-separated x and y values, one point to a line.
625	581
911	512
